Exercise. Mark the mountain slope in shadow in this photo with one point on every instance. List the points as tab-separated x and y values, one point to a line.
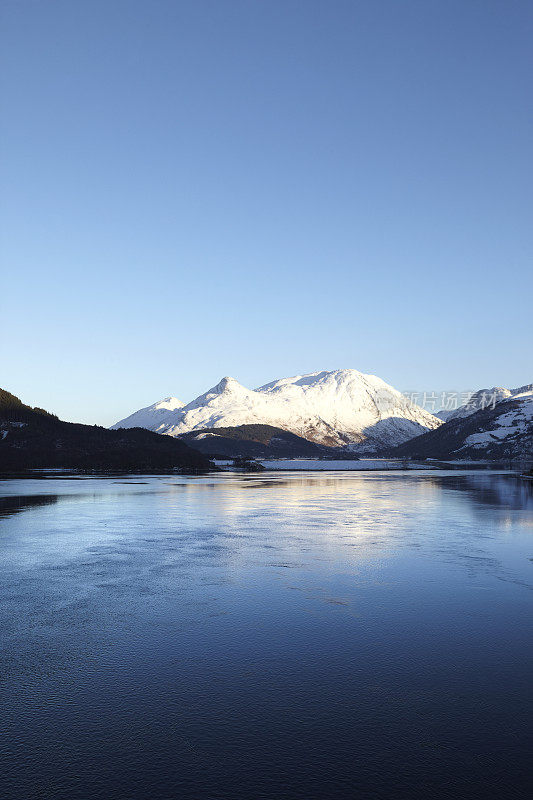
31	438
256	441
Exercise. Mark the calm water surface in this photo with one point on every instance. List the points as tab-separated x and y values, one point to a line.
290	637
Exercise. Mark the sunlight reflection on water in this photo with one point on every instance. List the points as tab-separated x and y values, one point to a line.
238	636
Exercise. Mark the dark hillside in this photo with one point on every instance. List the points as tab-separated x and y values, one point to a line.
34	439
451	440
11	408
254	441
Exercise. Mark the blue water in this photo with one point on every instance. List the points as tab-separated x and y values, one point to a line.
290	637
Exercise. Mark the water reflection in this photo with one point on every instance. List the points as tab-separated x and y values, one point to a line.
140	535
502	490
13	503
265	636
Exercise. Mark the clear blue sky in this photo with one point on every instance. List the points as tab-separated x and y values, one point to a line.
263	188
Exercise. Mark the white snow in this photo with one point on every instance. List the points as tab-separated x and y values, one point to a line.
511	423
336	408
152	417
485	398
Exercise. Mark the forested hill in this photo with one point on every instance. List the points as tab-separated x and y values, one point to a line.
32	438
12	408
256	441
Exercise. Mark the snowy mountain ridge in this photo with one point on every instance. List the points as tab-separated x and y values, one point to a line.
500	430
335	408
153	416
483	398
513	426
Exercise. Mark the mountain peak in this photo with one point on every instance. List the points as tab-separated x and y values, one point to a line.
169	404
227	384
332	378
483	398
227	388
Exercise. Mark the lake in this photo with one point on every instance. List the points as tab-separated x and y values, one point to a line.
294	636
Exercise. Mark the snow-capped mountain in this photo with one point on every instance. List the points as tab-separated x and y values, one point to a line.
342	407
483	398
152	417
365	411
500	431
